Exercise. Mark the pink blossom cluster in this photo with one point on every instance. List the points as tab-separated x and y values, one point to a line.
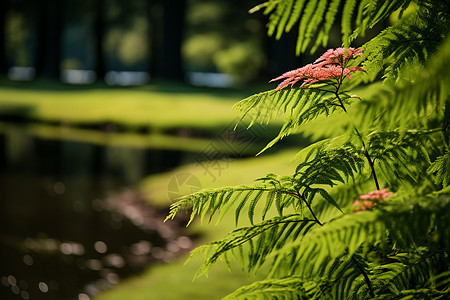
370	199
338	56
331	65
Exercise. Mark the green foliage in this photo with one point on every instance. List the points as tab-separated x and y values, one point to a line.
315	18
441	168
298	105
321	232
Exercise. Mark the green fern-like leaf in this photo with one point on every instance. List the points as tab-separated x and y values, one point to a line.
400	155
407	43
406	272
322	37
346	235
315	18
347	19
340	281
298	104
258	241
219	201
441	168
397	248
295	15
309	23
292	287
423	95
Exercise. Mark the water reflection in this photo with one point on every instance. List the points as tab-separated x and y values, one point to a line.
70	226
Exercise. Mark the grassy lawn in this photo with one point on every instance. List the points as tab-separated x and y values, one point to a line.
153	107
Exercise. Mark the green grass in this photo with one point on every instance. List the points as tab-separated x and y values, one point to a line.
154	107
174	282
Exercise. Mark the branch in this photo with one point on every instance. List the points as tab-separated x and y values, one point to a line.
366	152
298	196
369	159
364	274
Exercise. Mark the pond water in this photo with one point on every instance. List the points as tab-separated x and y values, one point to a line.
71	224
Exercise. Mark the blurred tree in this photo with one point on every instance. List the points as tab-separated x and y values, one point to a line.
155	15
141	35
49	37
221	36
99	36
125	35
3	9
173	24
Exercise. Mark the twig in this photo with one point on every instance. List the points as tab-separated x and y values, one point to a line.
364	274
297	195
366	152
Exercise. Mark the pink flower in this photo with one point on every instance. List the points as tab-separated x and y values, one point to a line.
377	195
292	77
338	56
331	65
371	200
357	206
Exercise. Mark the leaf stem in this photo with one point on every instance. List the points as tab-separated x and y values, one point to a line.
369	159
444	133
366	152
364	274
297	195
311	211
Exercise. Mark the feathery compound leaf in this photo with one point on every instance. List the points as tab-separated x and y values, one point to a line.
405	272
383	9
410	102
295	15
346	234
311	18
441	168
406	43
346	22
285	13
220	201
392	247
262	107
325	165
401	155
268	236
292	287
330	15
276	10
315	18
302	104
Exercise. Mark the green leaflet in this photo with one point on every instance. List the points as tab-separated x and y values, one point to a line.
441	168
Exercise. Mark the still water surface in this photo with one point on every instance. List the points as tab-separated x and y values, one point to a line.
70	223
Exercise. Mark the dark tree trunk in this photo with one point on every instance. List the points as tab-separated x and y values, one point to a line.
282	53
49	38
155	38
99	34
3	9
173	23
